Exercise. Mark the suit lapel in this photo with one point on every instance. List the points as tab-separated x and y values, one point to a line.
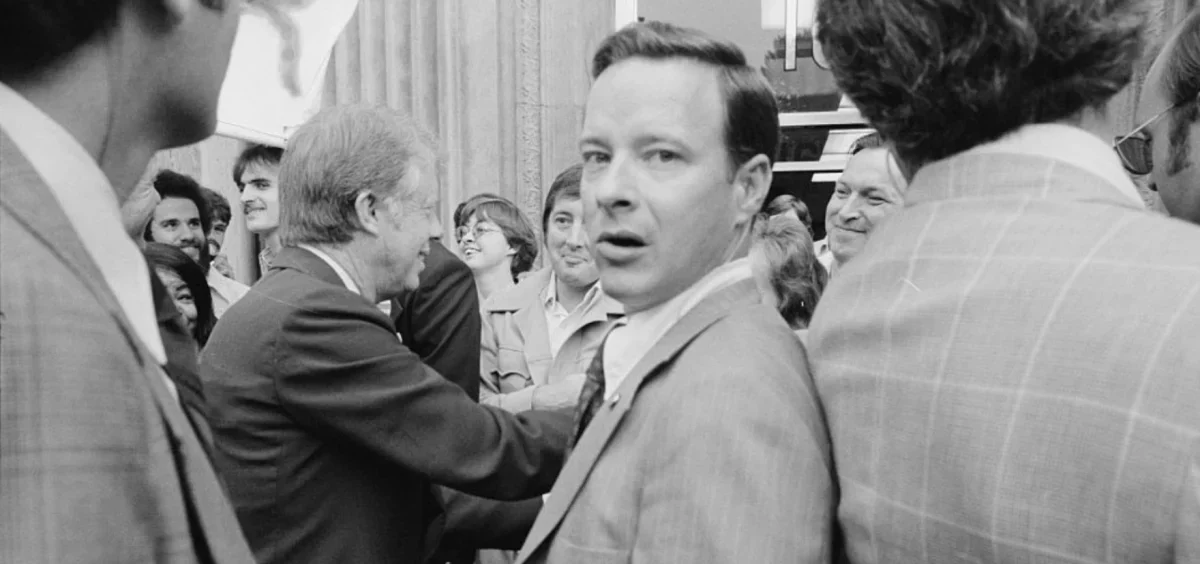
608	418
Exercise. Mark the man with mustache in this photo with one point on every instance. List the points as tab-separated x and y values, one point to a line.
539	336
182	219
698	436
256	174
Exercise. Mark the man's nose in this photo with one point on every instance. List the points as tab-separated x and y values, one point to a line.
851	210
614	187
577	237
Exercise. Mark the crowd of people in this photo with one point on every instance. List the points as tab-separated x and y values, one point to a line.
990	356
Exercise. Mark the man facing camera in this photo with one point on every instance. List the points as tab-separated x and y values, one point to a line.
699	437
1010	364
329	432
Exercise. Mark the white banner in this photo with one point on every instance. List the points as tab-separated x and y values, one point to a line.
277	70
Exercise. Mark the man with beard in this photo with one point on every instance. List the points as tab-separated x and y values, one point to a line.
182	219
539	336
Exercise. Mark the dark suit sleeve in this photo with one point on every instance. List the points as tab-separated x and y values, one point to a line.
440	319
342	372
476	523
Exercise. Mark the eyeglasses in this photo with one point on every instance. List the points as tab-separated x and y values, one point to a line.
1136	151
476	232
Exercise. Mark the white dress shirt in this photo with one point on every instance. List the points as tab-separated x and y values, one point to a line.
225	291
90	204
1068	144
337	268
560	323
633	336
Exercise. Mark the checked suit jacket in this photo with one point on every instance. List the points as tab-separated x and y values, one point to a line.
98	462
1011	372
712	450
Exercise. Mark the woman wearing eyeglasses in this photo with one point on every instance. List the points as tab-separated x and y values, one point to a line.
497	242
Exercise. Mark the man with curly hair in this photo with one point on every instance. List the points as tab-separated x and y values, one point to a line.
1009	366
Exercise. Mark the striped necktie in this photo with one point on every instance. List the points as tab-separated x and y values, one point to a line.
592	395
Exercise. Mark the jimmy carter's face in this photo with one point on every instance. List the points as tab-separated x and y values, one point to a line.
659	205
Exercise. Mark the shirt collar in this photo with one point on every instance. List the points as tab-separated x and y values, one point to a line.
675	308
550	294
88	201
1070	145
337	268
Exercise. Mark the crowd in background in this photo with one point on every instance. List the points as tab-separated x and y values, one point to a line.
990	357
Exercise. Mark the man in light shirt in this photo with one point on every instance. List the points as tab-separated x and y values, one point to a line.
100	463
540	335
698	437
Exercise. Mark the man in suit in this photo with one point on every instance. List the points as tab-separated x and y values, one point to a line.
100	463
439	320
1010	365
329	431
540	335
700	436
1166	143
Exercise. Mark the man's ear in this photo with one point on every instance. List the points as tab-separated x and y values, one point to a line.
367	207
751	183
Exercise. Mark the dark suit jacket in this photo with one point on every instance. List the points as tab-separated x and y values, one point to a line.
329	431
439	321
182	363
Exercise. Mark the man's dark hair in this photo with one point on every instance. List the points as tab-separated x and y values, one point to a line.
751	114
218	206
255	154
565	185
1181	82
36	34
938	77
171	184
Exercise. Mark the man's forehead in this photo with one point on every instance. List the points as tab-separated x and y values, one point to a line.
654	92
177	206
260	171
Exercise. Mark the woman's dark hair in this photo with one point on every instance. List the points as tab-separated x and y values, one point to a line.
751	113
516	228
169	257
938	77
793	272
